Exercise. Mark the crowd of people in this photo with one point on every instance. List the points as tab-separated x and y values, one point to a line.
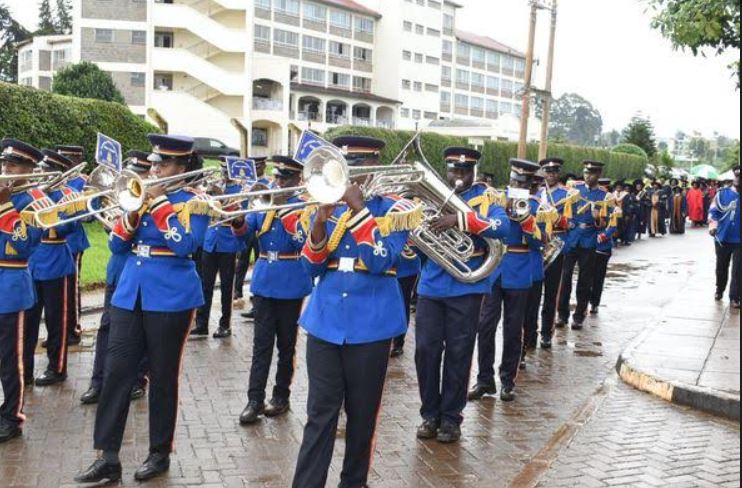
346	273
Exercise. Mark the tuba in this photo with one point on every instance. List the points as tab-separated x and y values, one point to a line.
452	249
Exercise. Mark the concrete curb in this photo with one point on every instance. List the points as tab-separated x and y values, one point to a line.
705	399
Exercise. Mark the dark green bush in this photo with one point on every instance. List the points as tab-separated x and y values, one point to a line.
497	154
44	120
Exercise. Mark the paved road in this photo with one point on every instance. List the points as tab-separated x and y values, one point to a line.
502	442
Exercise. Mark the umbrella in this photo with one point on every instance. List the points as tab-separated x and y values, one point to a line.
705	171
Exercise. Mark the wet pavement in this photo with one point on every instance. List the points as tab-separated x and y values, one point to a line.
570	407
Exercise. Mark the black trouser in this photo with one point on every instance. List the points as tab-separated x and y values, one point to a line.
243	264
601	270
276	324
51	299
514	302
726	253
11	367
349	374
407	285
530	317
73	298
552	282
134	333
224	264
586	259
445	325
101	347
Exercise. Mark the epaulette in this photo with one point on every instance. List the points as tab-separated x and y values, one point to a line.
404	215
40	202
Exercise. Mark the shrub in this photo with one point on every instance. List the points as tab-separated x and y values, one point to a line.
86	80
627	148
496	154
44	120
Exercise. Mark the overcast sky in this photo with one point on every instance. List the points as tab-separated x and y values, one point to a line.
606	52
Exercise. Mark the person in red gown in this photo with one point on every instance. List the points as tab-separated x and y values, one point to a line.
695	205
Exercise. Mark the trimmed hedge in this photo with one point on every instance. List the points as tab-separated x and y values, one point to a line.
45	120
496	154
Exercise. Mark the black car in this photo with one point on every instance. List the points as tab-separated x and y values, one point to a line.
213	148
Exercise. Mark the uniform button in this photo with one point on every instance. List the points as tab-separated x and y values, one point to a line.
345	295
141	242
145	224
139	263
347	246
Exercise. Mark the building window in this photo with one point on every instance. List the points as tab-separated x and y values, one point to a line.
462	76
60	58
262	33
313	76
478	55
492	106
260	137
434	32
26	60
362	54
139	38
446	73
493	59
313	44
477	80
418	86
448	47
418	58
462	101
493	83
506	108
340	19
407	55
315	13
508	63
520	65
406	84
518	88
138	79
364	24
419	29
339	49
434	4
448	24
507	87
432	60
445	98
429	87
477	103
416	114
286	38
104	36
288	7
463	50
164	39
431	115
405	113
263	4
340	80
407	26
361	84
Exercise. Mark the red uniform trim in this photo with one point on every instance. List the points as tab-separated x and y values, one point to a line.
9	217
62	362
161	210
21	372
122	230
475	224
316	255
529	225
362	226
290	222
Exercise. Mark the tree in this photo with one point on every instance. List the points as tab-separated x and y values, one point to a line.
46	20
576	120
730	156
11	33
86	80
630	149
699	147
64	17
666	160
700	24
640	132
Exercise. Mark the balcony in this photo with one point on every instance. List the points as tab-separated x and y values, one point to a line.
478	65
262	46
493	91
363	65
460	85
263	13
462	111
341	31
267	104
477	112
339	61
477	88
286	17
364	37
314	56
286	50
463	61
493	68
445	107
446	82
309	117
315	24
448	57
492	115
337	119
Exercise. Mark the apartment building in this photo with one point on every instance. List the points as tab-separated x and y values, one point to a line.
255	73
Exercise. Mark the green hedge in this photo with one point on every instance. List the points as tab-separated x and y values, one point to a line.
45	120
496	154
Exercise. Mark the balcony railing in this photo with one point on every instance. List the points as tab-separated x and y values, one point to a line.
385	124
268	104
337	119
362	121
306	116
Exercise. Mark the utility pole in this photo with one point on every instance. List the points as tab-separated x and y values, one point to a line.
543	148
526	109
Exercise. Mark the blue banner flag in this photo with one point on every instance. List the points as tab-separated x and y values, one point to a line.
108	153
241	170
308	142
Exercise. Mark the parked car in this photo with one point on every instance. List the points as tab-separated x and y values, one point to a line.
213	148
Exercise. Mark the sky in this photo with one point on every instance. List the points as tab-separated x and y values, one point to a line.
606	52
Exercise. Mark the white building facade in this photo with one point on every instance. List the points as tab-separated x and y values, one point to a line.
255	73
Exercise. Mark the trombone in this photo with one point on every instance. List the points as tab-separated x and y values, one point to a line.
33	180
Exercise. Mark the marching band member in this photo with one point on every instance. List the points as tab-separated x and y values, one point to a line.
603	253
512	281
77	242
353	314
725	228
592	212
17	241
279	285
559	196
139	164
51	266
219	257
447	309
245	256
408	273
152	309
538	275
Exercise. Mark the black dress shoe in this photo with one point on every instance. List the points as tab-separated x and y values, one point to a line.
546	343
28	380
200	332
277	408
9	431
719	296
449	433
91	396
44	343
578	325
523	365
508	394
222	333
252	412
250	314
428	430
560	324
99	471
155	465
594	310
480	391
397	351
735	304
50	378
138	392
74	340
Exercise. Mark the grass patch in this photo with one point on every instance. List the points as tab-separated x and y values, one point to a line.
95	259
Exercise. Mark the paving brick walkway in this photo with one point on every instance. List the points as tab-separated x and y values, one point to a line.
500	440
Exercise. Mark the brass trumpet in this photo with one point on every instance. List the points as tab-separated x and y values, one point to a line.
34	180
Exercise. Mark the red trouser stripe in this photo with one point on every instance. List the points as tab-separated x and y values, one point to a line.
21	373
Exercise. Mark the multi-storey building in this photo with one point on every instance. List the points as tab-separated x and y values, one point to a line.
257	72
